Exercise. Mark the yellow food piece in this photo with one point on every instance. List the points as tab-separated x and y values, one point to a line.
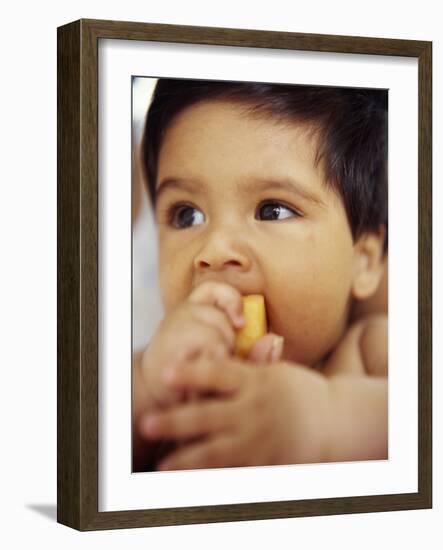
255	327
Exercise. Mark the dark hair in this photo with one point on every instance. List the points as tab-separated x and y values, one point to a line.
352	126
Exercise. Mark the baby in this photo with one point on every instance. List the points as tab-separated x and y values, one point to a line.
277	190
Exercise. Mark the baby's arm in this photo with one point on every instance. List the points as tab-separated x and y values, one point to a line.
359	418
284	414
357	372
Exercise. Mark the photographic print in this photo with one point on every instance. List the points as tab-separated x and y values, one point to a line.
270	206
244	274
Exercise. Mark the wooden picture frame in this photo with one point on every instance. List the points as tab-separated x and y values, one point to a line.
77	314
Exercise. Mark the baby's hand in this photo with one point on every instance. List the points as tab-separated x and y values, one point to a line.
203	325
257	416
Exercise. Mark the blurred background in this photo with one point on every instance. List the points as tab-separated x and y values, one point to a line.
146	304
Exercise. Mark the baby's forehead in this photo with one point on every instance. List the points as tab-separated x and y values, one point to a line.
222	135
248	110
221	123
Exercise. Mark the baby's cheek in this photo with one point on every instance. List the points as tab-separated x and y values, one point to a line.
169	291
171	297
175	272
310	319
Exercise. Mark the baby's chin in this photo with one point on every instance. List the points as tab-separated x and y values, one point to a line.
294	354
310	351
305	352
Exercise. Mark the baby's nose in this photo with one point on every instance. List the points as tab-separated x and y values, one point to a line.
205	263
223	252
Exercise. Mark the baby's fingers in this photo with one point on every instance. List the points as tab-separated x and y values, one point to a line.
223	296
206	376
267	349
212	317
189	421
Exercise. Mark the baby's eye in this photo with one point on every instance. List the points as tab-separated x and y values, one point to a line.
185	216
275	211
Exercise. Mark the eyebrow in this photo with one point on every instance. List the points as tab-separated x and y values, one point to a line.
288	184
247	187
178	183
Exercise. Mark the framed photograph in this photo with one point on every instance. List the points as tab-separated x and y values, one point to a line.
261	167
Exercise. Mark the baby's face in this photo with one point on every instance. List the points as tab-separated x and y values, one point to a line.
240	200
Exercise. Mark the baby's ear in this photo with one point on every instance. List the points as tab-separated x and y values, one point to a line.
368	264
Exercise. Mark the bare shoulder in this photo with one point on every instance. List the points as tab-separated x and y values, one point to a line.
363	350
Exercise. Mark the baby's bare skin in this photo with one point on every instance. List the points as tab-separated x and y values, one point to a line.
283	414
363	350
